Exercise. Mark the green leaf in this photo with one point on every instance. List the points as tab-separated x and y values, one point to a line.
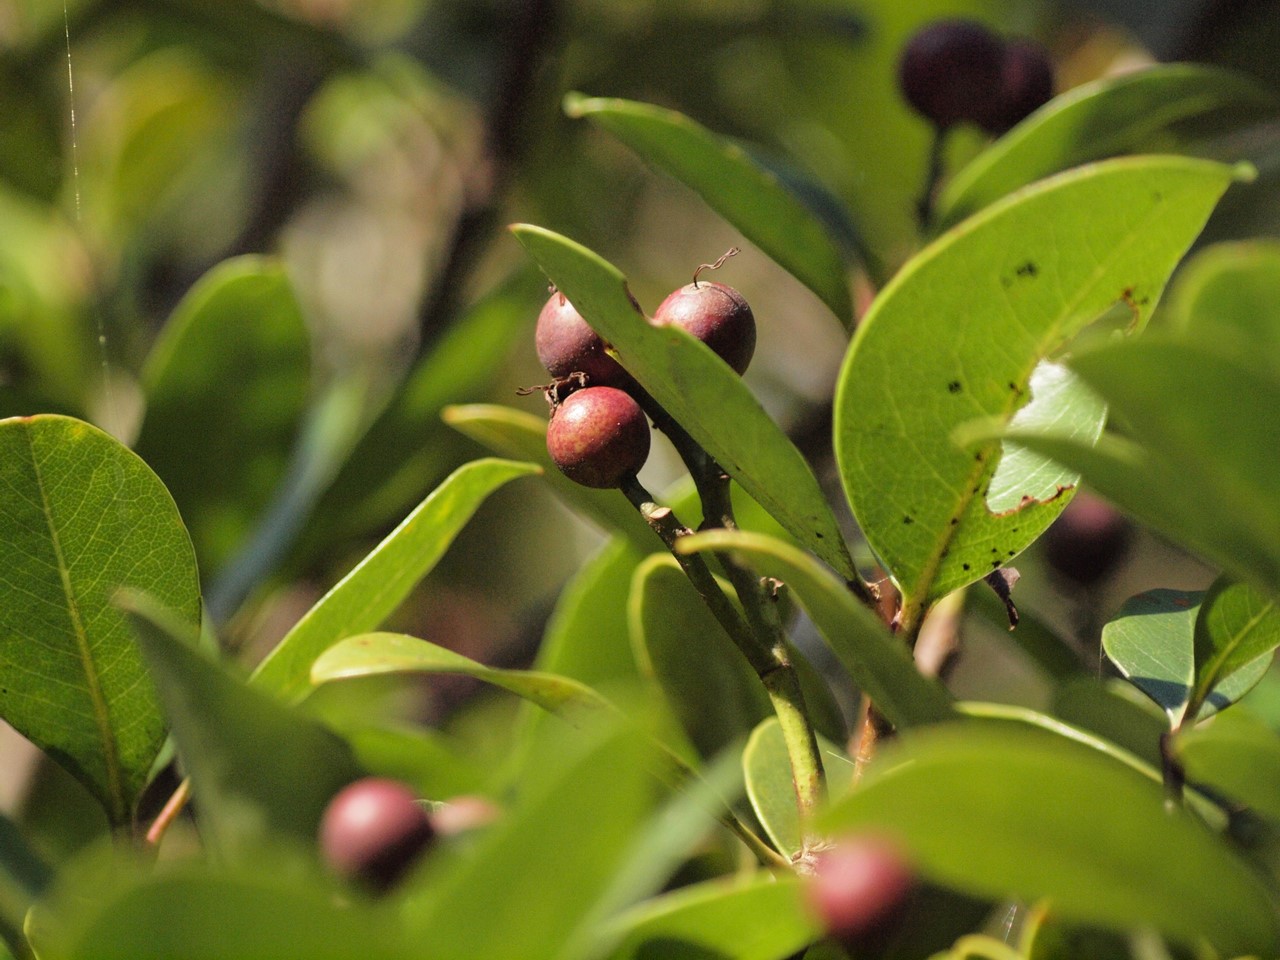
25	877
1048	818
707	681
959	334
751	197
515	433
381	581
767	771
1102	119
759	917
1237	755
1116	711
261	772
1238	630
82	517
381	654
879	663
499	899
1228	298
699	390
226	386
1152	641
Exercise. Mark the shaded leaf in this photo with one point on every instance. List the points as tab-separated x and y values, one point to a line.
82	517
958	336
1237	755
767	210
261	772
707	681
1114	710
1048	818
226	386
25	877
381	581
759	917
515	433
699	390
381	654
879	664
1135	111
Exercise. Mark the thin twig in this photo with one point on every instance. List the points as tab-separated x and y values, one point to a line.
169	813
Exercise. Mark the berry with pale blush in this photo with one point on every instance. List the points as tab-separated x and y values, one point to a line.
598	436
716	314
860	890
373	831
566	345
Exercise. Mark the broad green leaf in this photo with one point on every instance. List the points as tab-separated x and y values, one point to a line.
1228	298
381	581
381	654
1048	818
1236	755
879	664
1050	652
405	450
1238	628
958	336
707	681
24	877
1102	119
82	517
424	758
1152	641
523	890
767	771
261	772
700	391
1116	711
226	385
751	197
759	917
515	433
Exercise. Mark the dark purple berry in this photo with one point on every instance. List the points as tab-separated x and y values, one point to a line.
717	315
598	436
950	71
566	344
860	890
1026	84
1088	540
373	830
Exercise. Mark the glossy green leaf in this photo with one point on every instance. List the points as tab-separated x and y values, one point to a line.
381	581
1152	641
382	654
261	773
82	517
1048	818
1238	630
878	663
707	681
226	386
498	900
1236	755
759	917
751	197
700	391
1228	298
1135	111
767	771
959	334
515	433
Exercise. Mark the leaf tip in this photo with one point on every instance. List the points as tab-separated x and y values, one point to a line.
574	104
1244	172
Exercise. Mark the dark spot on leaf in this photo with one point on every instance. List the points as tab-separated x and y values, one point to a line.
818	535
955	521
954	386
1012	552
995	549
1028	269
965	566
943	555
1157	196
908	519
1181	602
978	456
995	564
1014	388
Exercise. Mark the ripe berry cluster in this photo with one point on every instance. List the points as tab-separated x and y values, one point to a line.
954	71
599	434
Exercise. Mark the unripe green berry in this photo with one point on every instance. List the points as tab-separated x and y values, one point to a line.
716	314
373	831
598	436
566	344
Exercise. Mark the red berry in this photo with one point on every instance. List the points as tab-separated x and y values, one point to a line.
373	830
598	436
860	889
950	71
1088	540
1026	84
717	315
566	344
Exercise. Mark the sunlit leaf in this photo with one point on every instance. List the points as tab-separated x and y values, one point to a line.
82	517
1237	631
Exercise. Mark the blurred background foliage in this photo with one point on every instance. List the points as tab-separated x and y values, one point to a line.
373	151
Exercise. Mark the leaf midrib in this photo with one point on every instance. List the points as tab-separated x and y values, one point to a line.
98	701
